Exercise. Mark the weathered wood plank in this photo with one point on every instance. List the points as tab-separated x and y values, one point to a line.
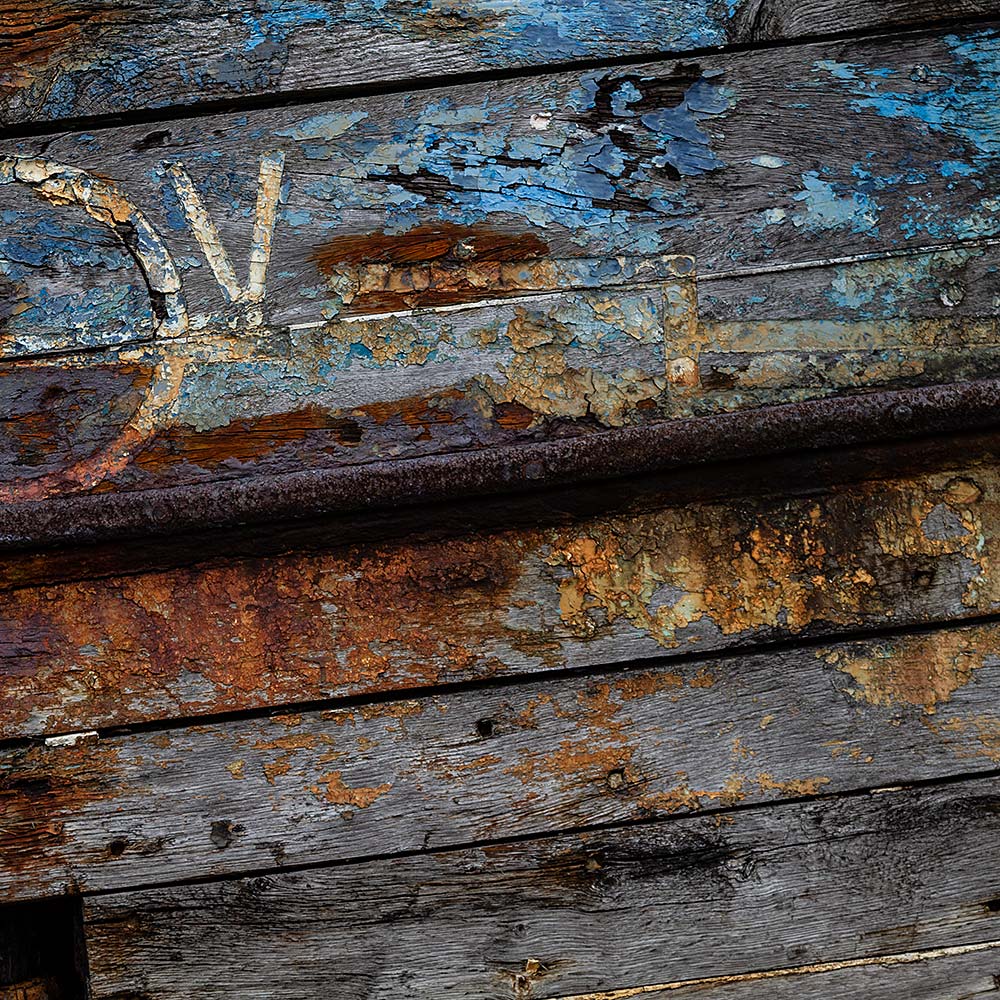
408	202
92	57
351	783
326	619
787	885
965	971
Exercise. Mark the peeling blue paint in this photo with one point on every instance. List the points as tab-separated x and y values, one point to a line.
571	174
827	208
959	102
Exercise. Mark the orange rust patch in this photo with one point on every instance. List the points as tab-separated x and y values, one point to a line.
246	441
275	769
337	793
514	416
577	760
429	265
794	788
38	36
297	741
684	798
923	671
41	787
986	729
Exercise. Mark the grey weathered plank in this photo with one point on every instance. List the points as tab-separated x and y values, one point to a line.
741	160
317	618
965	971
95	57
787	885
350	783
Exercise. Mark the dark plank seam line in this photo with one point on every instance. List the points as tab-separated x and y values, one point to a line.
311	95
551	835
520	679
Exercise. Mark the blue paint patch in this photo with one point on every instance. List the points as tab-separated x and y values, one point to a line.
274	20
519	32
961	103
484	161
825	208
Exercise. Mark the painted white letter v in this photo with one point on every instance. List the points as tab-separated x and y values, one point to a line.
268	191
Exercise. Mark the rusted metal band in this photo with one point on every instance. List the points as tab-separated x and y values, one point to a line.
865	418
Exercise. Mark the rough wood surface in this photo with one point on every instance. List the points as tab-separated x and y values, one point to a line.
965	971
785	885
93	57
349	783
397	202
662	579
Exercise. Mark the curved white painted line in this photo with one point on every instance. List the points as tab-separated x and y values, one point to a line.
104	202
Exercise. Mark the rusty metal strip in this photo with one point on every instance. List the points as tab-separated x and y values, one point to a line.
862	419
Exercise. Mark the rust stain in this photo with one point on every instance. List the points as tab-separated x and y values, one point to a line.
921	671
41	787
332	789
683	798
792	788
985	728
236	633
458	244
38	38
579	760
276	768
429	265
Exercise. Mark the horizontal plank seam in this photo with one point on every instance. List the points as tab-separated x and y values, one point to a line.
502	682
549	835
901	958
902	253
57	128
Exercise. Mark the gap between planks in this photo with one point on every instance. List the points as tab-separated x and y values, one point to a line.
312	95
902	958
615	826
59	738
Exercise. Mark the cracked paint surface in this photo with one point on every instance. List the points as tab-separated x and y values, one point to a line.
340	783
240	633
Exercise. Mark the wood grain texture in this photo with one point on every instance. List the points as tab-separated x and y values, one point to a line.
662	579
349	783
404	202
786	885
91	57
965	971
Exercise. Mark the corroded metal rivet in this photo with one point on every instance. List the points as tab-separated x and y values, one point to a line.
117	847
616	779
902	413
485	728
534	470
464	250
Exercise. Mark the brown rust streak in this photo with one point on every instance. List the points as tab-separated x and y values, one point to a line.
39	788
244	632
428	265
922	672
40	36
